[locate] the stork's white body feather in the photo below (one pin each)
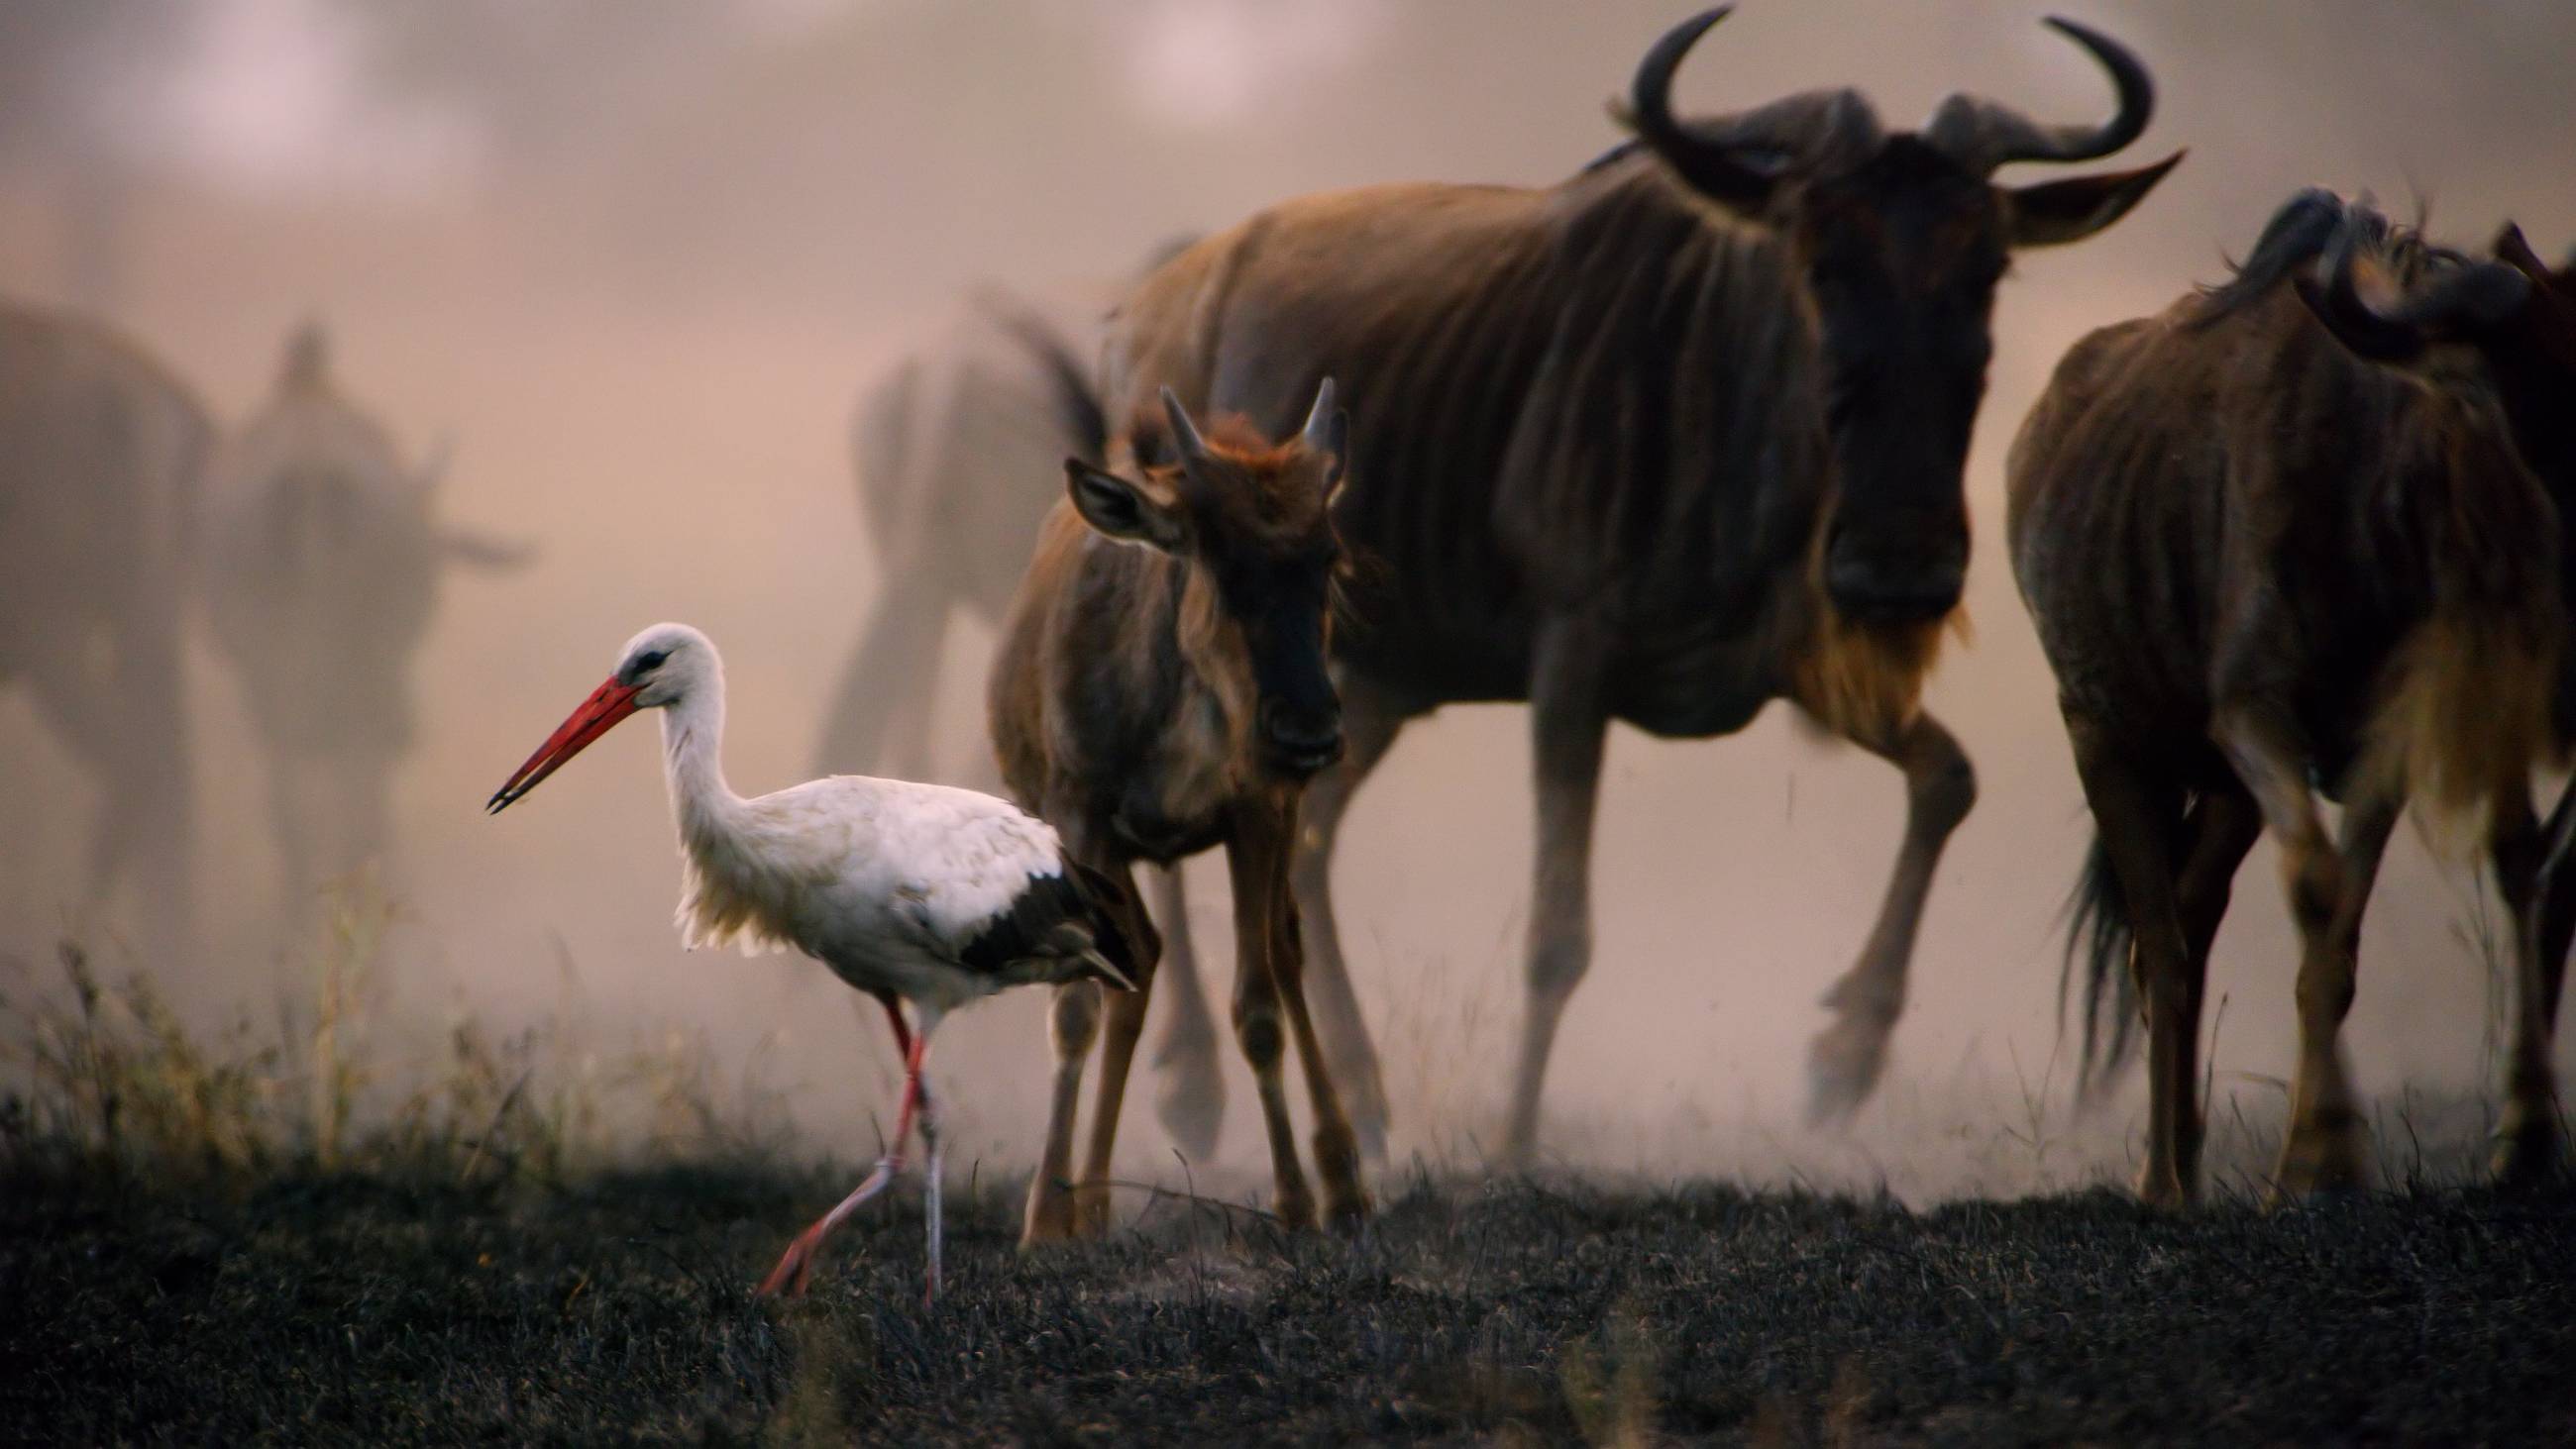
(887, 882)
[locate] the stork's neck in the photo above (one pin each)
(692, 737)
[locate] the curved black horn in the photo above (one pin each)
(1982, 135)
(1712, 168)
(1185, 434)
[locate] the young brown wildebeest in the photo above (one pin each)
(1161, 689)
(2292, 531)
(1677, 437)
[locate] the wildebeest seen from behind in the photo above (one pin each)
(958, 448)
(2292, 531)
(1671, 439)
(100, 455)
(1162, 689)
(324, 556)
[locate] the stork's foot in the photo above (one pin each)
(1189, 1094)
(1844, 1064)
(2323, 1155)
(795, 1270)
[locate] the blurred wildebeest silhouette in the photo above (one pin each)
(1161, 689)
(101, 452)
(324, 554)
(2306, 532)
(959, 449)
(1664, 442)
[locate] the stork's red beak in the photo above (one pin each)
(598, 714)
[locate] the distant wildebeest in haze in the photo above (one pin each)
(1671, 439)
(101, 451)
(324, 553)
(959, 449)
(1162, 688)
(2303, 532)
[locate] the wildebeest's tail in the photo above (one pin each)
(2099, 934)
(1074, 397)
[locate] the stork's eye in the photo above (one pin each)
(649, 661)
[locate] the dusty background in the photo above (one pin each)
(639, 257)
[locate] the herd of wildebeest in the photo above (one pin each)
(1680, 435)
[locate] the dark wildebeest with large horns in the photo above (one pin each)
(100, 455)
(2305, 531)
(1162, 689)
(324, 553)
(1671, 439)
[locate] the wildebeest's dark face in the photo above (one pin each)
(1901, 258)
(1899, 240)
(1253, 522)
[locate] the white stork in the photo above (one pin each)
(909, 892)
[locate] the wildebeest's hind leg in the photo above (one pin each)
(2328, 885)
(1844, 1063)
(2526, 1149)
(1568, 726)
(880, 714)
(1189, 1091)
(2137, 815)
(1369, 727)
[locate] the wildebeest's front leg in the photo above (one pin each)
(1125, 1012)
(1568, 725)
(1370, 723)
(2135, 814)
(1189, 1091)
(1844, 1064)
(2526, 1149)
(1256, 854)
(1056, 1197)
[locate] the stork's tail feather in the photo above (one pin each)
(1111, 953)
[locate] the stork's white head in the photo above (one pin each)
(665, 665)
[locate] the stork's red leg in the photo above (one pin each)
(796, 1266)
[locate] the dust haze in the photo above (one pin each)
(638, 259)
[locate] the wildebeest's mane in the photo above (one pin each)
(2302, 230)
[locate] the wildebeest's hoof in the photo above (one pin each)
(2160, 1186)
(2528, 1156)
(1843, 1067)
(2320, 1157)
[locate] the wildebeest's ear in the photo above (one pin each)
(1119, 509)
(483, 553)
(2054, 212)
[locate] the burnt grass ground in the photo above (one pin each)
(398, 1306)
